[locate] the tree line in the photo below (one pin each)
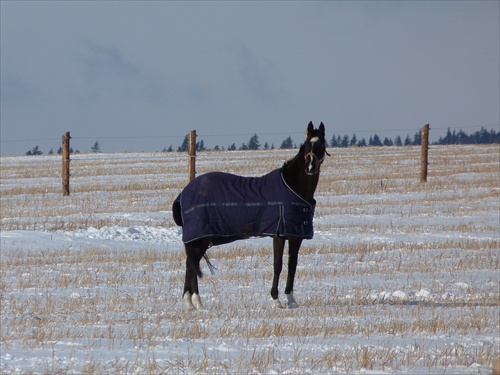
(482, 136)
(36, 150)
(478, 137)
(253, 144)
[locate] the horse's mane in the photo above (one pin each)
(292, 161)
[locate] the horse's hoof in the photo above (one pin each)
(192, 302)
(195, 299)
(187, 301)
(291, 304)
(277, 304)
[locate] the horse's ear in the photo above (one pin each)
(310, 127)
(322, 129)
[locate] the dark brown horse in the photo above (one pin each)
(217, 208)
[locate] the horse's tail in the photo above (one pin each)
(176, 211)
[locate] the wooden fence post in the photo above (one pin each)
(192, 155)
(424, 157)
(65, 163)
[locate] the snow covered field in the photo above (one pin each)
(401, 277)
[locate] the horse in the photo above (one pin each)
(217, 208)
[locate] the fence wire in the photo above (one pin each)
(201, 136)
(210, 135)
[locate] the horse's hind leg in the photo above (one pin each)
(190, 302)
(194, 253)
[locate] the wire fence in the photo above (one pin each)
(211, 135)
(437, 131)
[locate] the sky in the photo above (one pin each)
(138, 76)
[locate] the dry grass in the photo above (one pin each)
(380, 231)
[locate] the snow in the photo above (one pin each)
(386, 286)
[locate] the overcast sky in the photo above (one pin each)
(138, 76)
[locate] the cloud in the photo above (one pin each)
(106, 73)
(100, 61)
(259, 77)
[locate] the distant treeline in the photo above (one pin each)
(479, 137)
(482, 136)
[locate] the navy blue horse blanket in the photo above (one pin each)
(230, 207)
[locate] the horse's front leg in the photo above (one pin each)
(278, 246)
(293, 256)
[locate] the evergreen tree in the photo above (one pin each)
(407, 140)
(34, 151)
(387, 141)
(95, 147)
(345, 141)
(447, 139)
(462, 137)
(362, 143)
(354, 140)
(232, 147)
(484, 135)
(200, 146)
(494, 136)
(287, 143)
(339, 141)
(266, 146)
(375, 141)
(334, 142)
(184, 147)
(417, 139)
(397, 141)
(254, 143)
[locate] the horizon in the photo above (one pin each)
(433, 139)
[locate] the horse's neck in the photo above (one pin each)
(295, 176)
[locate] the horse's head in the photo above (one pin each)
(314, 148)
